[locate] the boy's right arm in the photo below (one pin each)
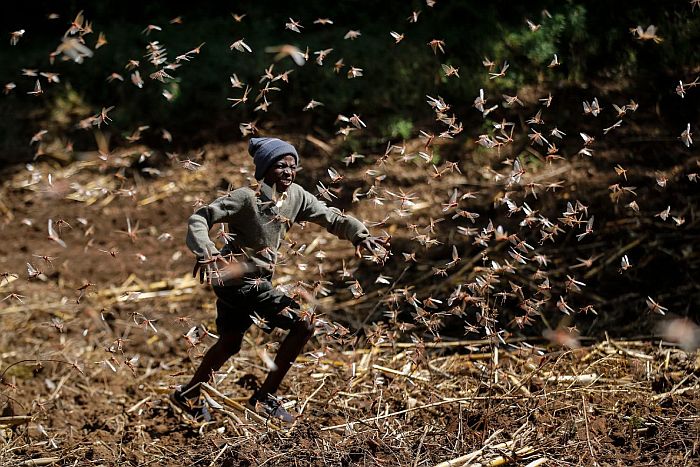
(204, 218)
(209, 263)
(198, 227)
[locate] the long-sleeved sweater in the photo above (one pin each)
(257, 223)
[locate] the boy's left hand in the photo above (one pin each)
(371, 244)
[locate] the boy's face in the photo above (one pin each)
(282, 173)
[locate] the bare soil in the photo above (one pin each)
(92, 368)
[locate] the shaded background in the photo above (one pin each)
(599, 55)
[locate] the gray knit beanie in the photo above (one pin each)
(265, 151)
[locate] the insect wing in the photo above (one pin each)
(54, 236)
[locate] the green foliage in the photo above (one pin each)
(437, 158)
(399, 127)
(562, 33)
(67, 107)
(591, 39)
(636, 422)
(351, 145)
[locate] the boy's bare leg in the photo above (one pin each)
(291, 347)
(227, 346)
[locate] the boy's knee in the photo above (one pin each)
(231, 342)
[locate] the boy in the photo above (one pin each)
(258, 221)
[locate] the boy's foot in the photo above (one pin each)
(271, 406)
(193, 407)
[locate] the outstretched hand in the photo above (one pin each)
(219, 270)
(372, 245)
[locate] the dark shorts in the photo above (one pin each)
(237, 307)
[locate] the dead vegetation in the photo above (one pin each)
(113, 321)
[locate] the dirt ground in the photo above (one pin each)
(95, 335)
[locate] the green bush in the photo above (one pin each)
(399, 127)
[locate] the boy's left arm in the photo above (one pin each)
(339, 224)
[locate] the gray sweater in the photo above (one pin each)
(257, 223)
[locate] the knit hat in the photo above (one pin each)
(265, 151)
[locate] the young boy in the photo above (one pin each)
(257, 222)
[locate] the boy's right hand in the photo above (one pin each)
(205, 267)
(219, 271)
